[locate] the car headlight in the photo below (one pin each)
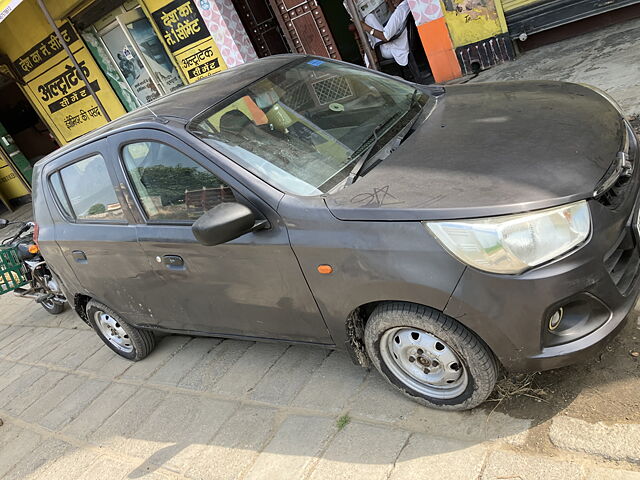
(511, 244)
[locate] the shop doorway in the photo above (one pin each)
(24, 137)
(261, 26)
(138, 54)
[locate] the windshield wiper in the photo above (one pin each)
(366, 154)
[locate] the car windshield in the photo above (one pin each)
(303, 127)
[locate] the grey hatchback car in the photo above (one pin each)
(436, 233)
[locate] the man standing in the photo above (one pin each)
(398, 49)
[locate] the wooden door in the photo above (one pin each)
(262, 27)
(305, 26)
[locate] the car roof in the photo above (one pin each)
(188, 101)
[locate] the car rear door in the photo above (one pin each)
(96, 232)
(250, 286)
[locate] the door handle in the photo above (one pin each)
(79, 256)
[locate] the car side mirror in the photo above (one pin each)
(225, 222)
(3, 222)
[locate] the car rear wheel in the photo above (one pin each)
(126, 340)
(429, 356)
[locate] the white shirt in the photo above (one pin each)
(398, 49)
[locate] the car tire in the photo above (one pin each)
(430, 357)
(126, 340)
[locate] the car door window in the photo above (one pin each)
(89, 191)
(170, 185)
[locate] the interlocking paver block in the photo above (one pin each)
(367, 451)
(504, 465)
(105, 363)
(20, 444)
(235, 447)
(600, 473)
(12, 374)
(176, 427)
(614, 442)
(87, 344)
(34, 392)
(162, 353)
(288, 375)
(37, 460)
(50, 400)
(75, 340)
(182, 362)
(70, 465)
(214, 365)
(293, 449)
(56, 339)
(247, 371)
(127, 419)
(107, 468)
(73, 404)
(105, 404)
(426, 453)
(380, 401)
(332, 384)
(474, 425)
(23, 382)
(8, 342)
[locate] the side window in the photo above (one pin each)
(169, 184)
(89, 191)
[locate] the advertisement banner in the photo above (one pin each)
(184, 32)
(59, 92)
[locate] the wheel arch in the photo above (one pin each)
(357, 320)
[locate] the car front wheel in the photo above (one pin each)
(429, 356)
(126, 340)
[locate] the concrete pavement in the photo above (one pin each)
(202, 408)
(608, 59)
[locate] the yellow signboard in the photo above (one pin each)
(200, 60)
(57, 89)
(186, 36)
(470, 21)
(7, 6)
(11, 183)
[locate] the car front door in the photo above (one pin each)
(250, 286)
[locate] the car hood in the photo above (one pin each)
(490, 149)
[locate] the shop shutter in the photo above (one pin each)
(509, 5)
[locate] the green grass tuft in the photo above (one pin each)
(343, 421)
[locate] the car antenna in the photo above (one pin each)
(147, 107)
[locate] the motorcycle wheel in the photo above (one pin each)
(53, 307)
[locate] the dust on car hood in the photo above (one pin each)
(489, 149)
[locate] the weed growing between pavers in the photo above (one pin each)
(343, 421)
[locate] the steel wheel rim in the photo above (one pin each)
(112, 330)
(424, 363)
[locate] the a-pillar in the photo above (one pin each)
(435, 39)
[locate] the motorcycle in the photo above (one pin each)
(41, 285)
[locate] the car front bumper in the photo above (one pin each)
(596, 286)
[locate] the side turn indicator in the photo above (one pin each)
(33, 249)
(325, 269)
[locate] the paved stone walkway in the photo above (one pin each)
(222, 409)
